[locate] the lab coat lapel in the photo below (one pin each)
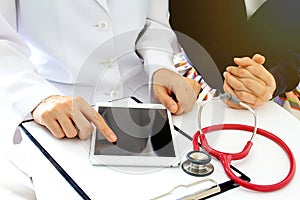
(103, 3)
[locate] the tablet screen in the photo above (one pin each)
(140, 132)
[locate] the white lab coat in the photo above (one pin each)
(82, 47)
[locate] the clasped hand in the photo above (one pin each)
(251, 82)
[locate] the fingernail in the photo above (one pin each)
(173, 108)
(111, 136)
(237, 59)
(270, 97)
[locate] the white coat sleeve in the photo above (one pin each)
(20, 84)
(158, 43)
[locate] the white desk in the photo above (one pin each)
(266, 163)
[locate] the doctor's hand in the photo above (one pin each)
(251, 82)
(177, 93)
(70, 117)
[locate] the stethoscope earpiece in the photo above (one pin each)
(198, 164)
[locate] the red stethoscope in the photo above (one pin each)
(198, 162)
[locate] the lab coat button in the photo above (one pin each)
(107, 62)
(102, 25)
(114, 94)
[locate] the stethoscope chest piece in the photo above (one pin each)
(198, 164)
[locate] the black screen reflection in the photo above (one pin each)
(140, 132)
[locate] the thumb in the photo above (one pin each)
(163, 96)
(259, 59)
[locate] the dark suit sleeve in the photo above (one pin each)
(286, 71)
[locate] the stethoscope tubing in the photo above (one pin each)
(226, 158)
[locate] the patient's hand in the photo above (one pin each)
(251, 82)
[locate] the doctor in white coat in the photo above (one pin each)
(59, 57)
(87, 51)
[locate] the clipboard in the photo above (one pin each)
(55, 164)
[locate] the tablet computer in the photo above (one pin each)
(145, 136)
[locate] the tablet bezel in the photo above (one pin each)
(123, 160)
